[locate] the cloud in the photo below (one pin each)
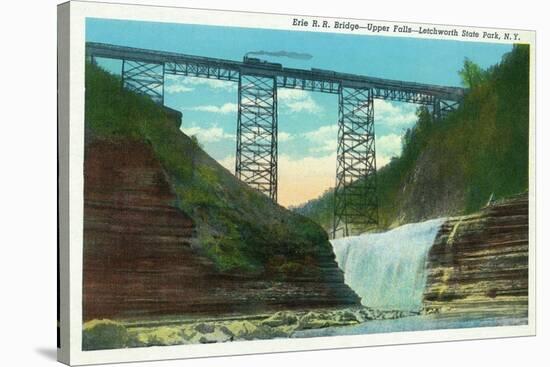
(223, 109)
(389, 145)
(307, 105)
(297, 100)
(289, 54)
(381, 160)
(394, 114)
(213, 83)
(181, 83)
(211, 134)
(287, 94)
(284, 136)
(228, 162)
(177, 88)
(324, 139)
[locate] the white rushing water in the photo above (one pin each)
(388, 270)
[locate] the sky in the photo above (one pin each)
(307, 120)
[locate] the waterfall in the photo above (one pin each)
(388, 270)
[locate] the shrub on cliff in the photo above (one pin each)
(103, 334)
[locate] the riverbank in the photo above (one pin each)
(109, 334)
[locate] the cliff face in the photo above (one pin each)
(479, 263)
(142, 256)
(430, 178)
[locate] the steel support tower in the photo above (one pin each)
(441, 108)
(256, 158)
(144, 78)
(355, 198)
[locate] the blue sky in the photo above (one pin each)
(307, 120)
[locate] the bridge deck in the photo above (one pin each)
(313, 80)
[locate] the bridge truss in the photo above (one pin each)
(355, 197)
(256, 158)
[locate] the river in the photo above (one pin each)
(412, 323)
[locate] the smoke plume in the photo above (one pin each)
(289, 54)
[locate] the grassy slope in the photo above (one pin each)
(479, 150)
(239, 228)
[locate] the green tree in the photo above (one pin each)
(196, 146)
(472, 74)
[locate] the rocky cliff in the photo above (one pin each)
(142, 256)
(478, 264)
(169, 231)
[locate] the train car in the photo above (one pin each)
(323, 71)
(262, 63)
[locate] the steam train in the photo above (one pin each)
(253, 61)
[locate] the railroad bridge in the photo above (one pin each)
(355, 197)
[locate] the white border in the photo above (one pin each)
(78, 12)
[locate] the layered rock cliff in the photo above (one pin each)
(169, 231)
(478, 264)
(142, 256)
